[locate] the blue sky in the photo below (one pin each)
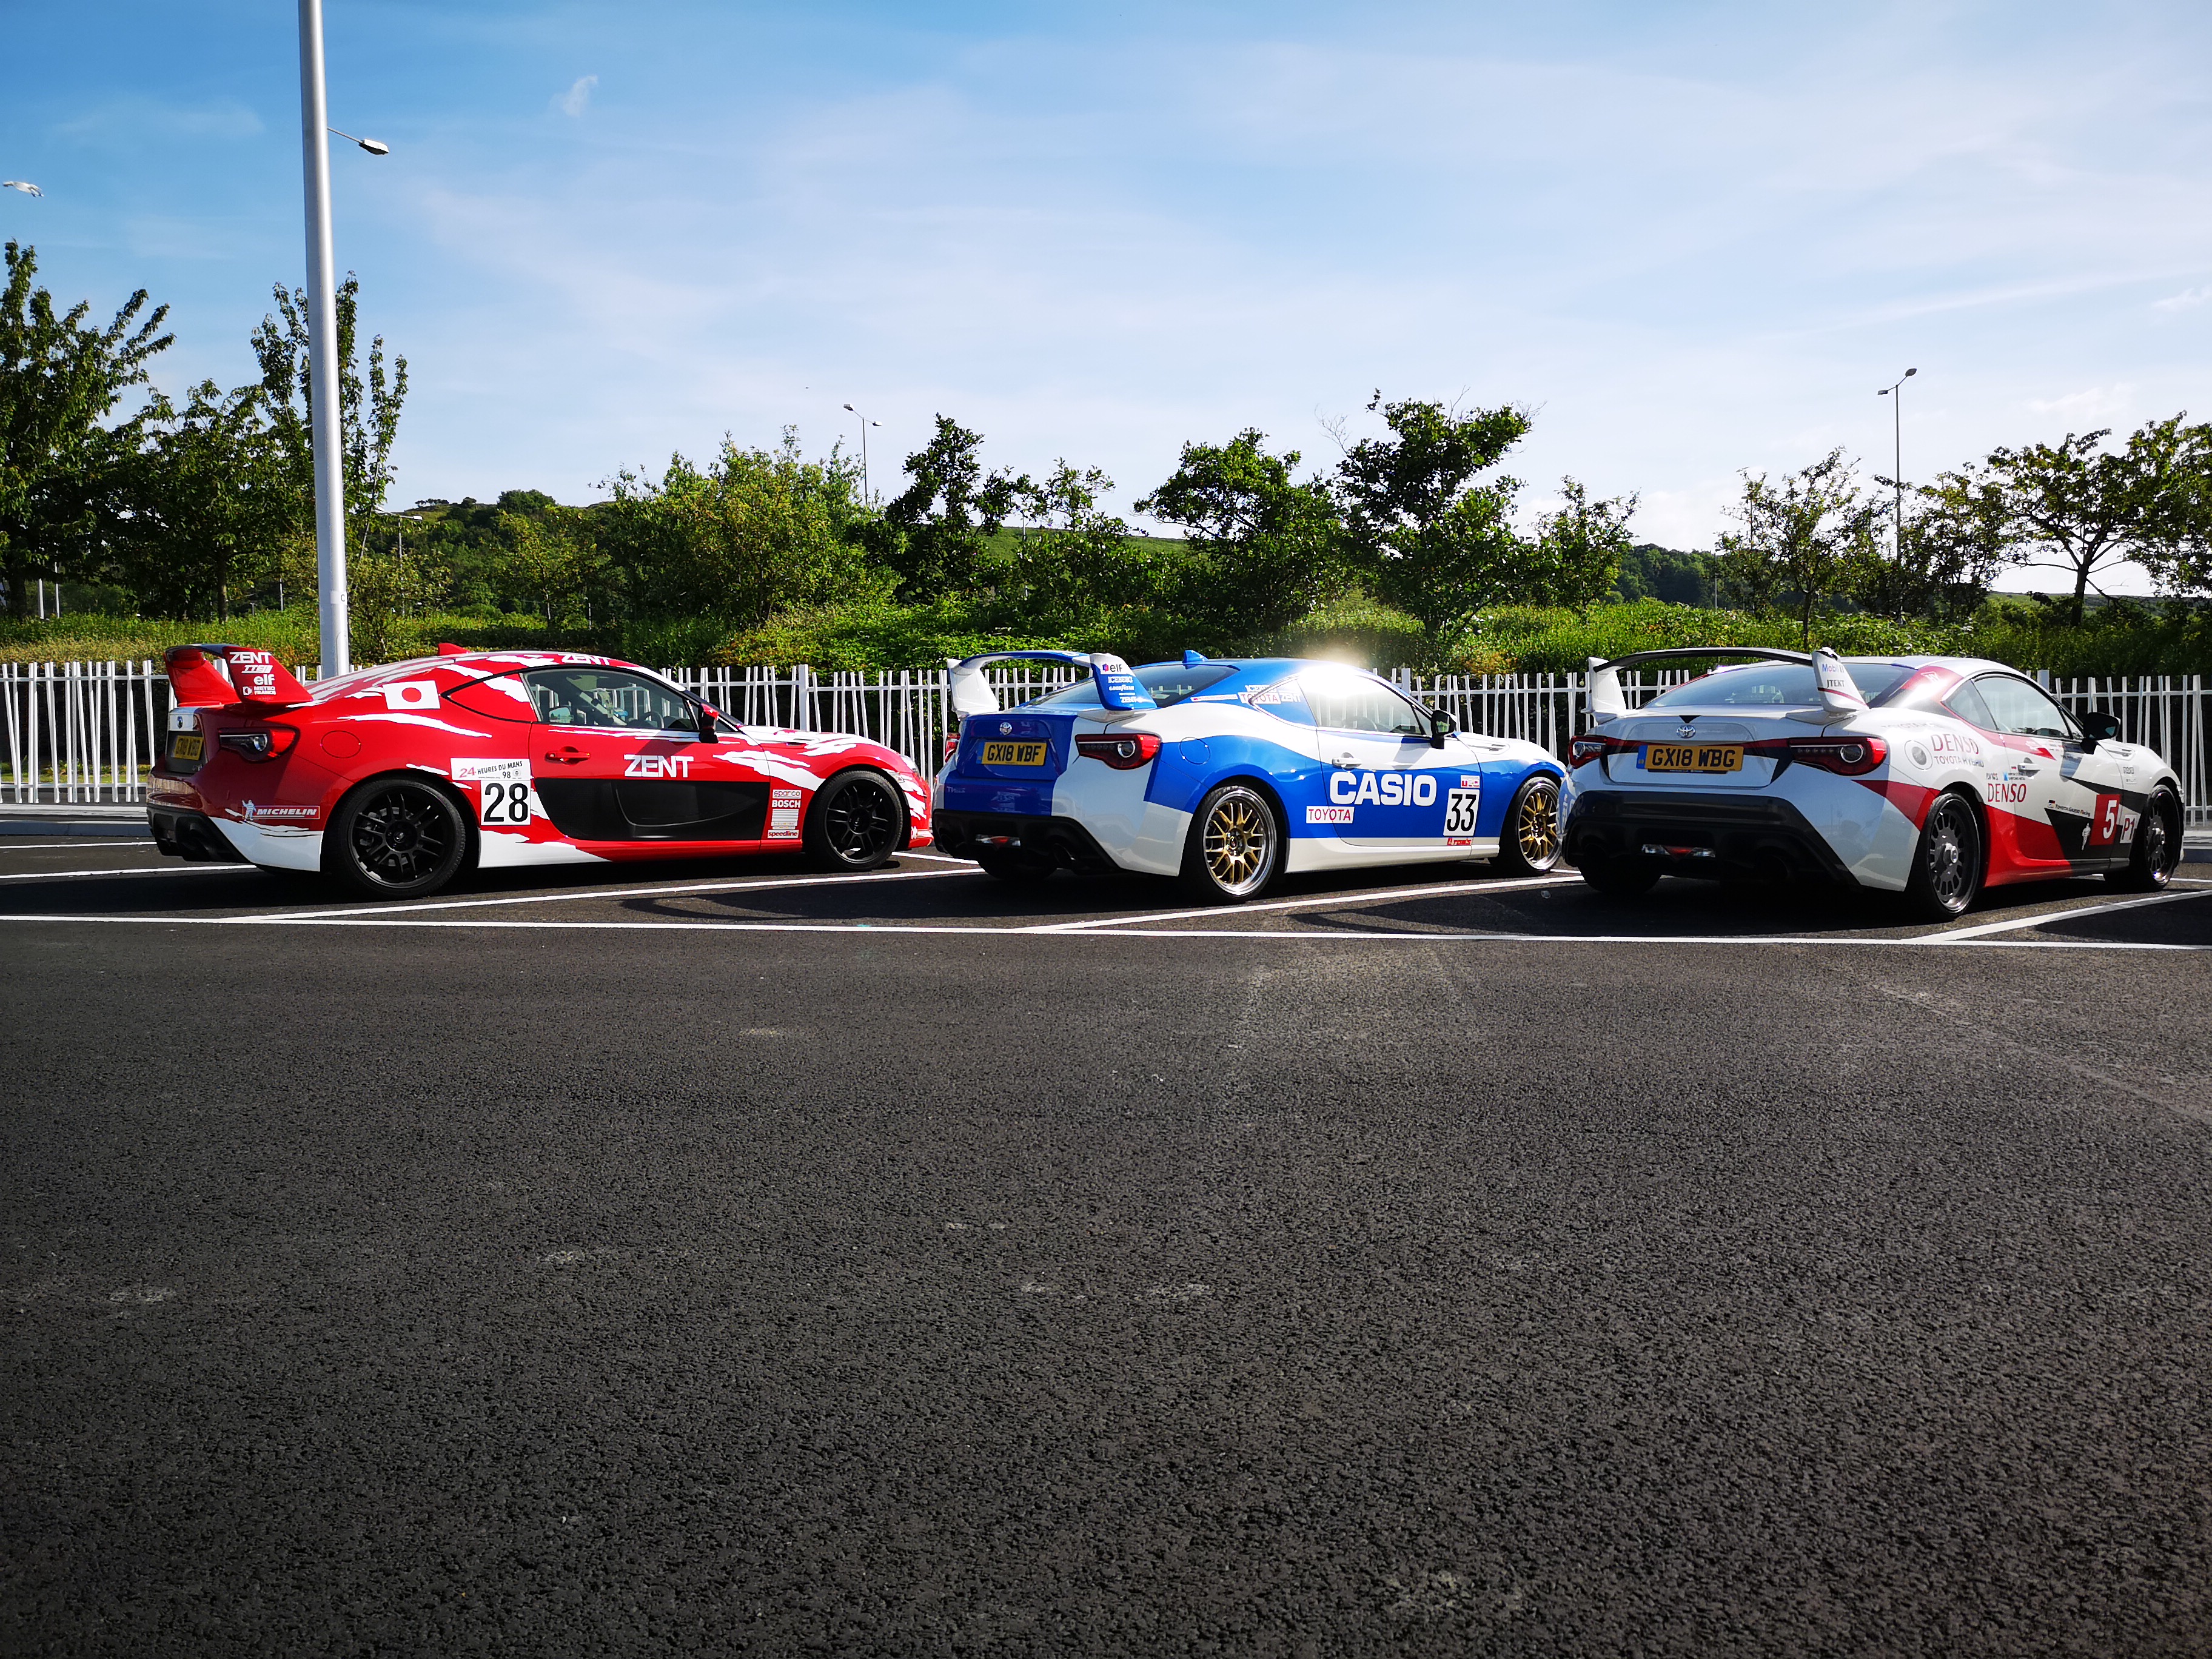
(1694, 238)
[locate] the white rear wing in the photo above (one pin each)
(1840, 697)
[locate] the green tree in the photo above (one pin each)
(1580, 548)
(211, 505)
(553, 564)
(368, 405)
(932, 536)
(1429, 537)
(1268, 549)
(758, 532)
(1804, 542)
(2080, 506)
(1072, 560)
(62, 467)
(1945, 555)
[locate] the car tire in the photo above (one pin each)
(1234, 849)
(397, 837)
(1622, 878)
(1948, 864)
(854, 821)
(2156, 851)
(1528, 841)
(1013, 864)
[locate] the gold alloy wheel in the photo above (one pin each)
(1239, 844)
(1536, 827)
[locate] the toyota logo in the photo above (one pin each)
(1005, 729)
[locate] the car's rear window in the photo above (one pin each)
(1774, 685)
(1169, 682)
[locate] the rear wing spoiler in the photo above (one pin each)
(1117, 687)
(1840, 697)
(245, 675)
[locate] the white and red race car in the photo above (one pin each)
(396, 779)
(1932, 776)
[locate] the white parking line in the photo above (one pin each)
(1989, 927)
(625, 892)
(151, 870)
(1491, 886)
(130, 842)
(880, 929)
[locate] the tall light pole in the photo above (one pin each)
(323, 339)
(866, 494)
(1897, 465)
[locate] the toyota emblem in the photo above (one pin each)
(1005, 729)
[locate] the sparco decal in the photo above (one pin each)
(783, 810)
(1383, 789)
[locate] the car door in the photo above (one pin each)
(2076, 790)
(1397, 790)
(616, 756)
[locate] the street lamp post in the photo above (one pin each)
(866, 493)
(322, 338)
(1897, 464)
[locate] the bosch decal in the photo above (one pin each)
(784, 807)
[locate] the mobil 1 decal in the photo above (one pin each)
(503, 786)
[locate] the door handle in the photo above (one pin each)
(1350, 762)
(570, 757)
(2026, 770)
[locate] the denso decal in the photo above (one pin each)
(784, 806)
(1383, 789)
(1955, 745)
(401, 696)
(1329, 815)
(658, 766)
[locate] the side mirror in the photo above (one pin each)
(706, 733)
(1441, 725)
(2099, 726)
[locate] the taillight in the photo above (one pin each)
(1852, 756)
(1591, 747)
(260, 743)
(1124, 754)
(952, 748)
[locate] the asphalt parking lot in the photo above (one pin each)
(730, 1259)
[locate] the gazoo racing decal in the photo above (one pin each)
(783, 811)
(1382, 789)
(505, 789)
(658, 766)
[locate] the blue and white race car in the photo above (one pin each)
(1229, 772)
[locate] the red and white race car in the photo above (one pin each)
(396, 779)
(1932, 776)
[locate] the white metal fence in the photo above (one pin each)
(86, 732)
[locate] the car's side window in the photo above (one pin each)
(1285, 700)
(2022, 709)
(607, 698)
(1966, 703)
(1348, 702)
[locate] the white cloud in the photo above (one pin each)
(2090, 402)
(2185, 301)
(577, 98)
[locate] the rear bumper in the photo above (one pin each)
(964, 835)
(1704, 834)
(183, 833)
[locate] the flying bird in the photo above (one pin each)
(24, 185)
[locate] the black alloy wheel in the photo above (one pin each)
(396, 838)
(1947, 866)
(2156, 851)
(1529, 844)
(854, 822)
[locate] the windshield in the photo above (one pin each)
(1169, 682)
(1773, 685)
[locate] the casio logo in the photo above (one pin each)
(1383, 789)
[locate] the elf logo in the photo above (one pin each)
(1383, 789)
(659, 765)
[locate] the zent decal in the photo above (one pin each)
(658, 766)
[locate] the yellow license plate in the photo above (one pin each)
(1693, 758)
(1013, 754)
(185, 746)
